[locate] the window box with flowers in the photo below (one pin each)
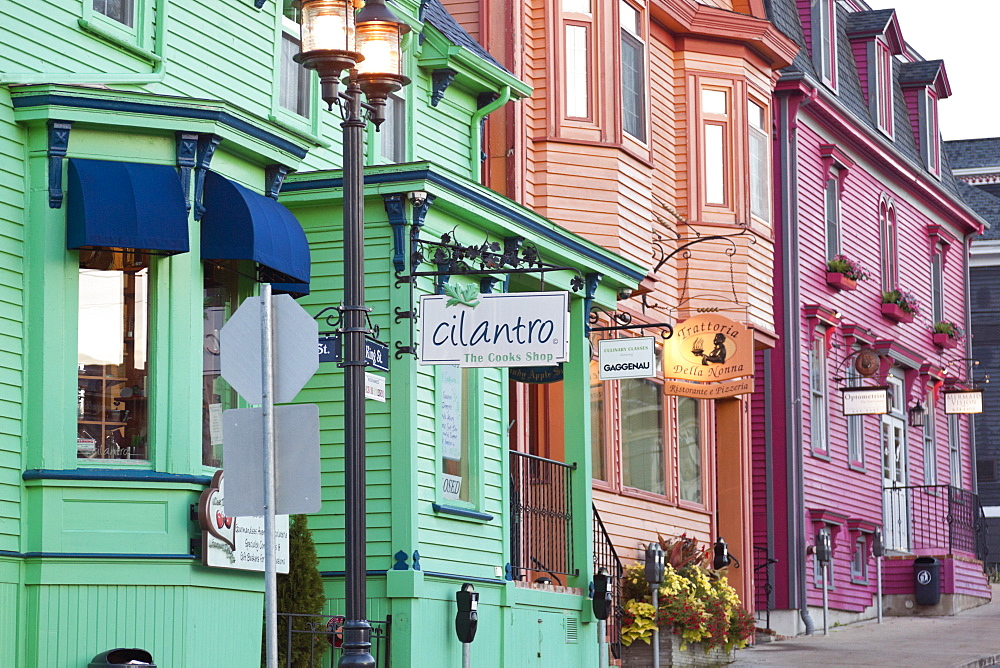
(844, 273)
(900, 305)
(946, 334)
(698, 613)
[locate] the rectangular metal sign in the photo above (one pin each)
(495, 330)
(963, 402)
(865, 400)
(376, 352)
(627, 358)
(374, 387)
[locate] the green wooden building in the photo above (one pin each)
(143, 146)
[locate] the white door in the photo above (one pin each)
(895, 498)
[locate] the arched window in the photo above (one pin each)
(887, 229)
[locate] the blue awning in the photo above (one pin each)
(239, 224)
(296, 290)
(125, 205)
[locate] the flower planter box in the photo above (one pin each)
(896, 312)
(640, 655)
(840, 281)
(944, 340)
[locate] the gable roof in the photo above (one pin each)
(433, 12)
(973, 153)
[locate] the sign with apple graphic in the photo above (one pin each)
(236, 542)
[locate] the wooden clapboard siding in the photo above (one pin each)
(12, 208)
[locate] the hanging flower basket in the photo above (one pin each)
(840, 281)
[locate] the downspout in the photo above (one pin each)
(791, 341)
(128, 78)
(966, 262)
(475, 146)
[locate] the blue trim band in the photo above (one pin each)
(340, 574)
(447, 576)
(461, 512)
(93, 555)
(119, 475)
(473, 196)
(121, 106)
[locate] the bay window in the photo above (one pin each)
(113, 355)
(760, 164)
(577, 49)
(633, 61)
(715, 129)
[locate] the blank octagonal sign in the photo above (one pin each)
(296, 355)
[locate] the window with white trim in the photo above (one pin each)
(855, 430)
(831, 215)
(577, 33)
(760, 163)
(643, 437)
(691, 477)
(937, 285)
(122, 11)
(392, 133)
(880, 94)
(955, 451)
(859, 560)
(819, 434)
(889, 259)
(715, 149)
(930, 444)
(294, 92)
(455, 386)
(824, 40)
(633, 59)
(930, 135)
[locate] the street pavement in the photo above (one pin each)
(967, 640)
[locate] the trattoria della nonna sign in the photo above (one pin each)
(709, 357)
(494, 330)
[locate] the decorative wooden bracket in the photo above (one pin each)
(187, 149)
(58, 145)
(207, 143)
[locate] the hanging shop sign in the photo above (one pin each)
(866, 400)
(494, 330)
(536, 375)
(236, 542)
(704, 353)
(957, 402)
(627, 358)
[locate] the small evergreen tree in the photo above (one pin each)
(299, 592)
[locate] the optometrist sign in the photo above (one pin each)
(866, 400)
(494, 330)
(704, 353)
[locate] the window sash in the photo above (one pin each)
(598, 415)
(633, 86)
(760, 173)
(855, 430)
(831, 207)
(577, 91)
(819, 414)
(937, 287)
(930, 449)
(954, 451)
(392, 133)
(294, 92)
(122, 11)
(454, 385)
(690, 451)
(643, 445)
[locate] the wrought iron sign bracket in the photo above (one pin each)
(336, 317)
(624, 322)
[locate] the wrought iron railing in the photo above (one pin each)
(605, 556)
(762, 587)
(919, 517)
(541, 510)
(313, 641)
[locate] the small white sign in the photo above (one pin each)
(451, 486)
(495, 330)
(865, 400)
(215, 423)
(627, 358)
(374, 387)
(962, 402)
(237, 542)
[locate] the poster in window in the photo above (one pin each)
(450, 387)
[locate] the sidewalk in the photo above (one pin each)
(968, 640)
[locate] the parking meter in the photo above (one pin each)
(878, 546)
(602, 594)
(722, 558)
(824, 548)
(654, 564)
(467, 617)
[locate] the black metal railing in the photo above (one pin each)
(605, 556)
(938, 517)
(541, 510)
(762, 587)
(313, 641)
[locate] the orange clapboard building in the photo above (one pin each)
(649, 132)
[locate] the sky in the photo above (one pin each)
(964, 33)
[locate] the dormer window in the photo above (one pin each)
(930, 144)
(824, 40)
(881, 93)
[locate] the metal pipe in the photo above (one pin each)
(656, 629)
(602, 643)
(878, 575)
(475, 146)
(267, 413)
(826, 602)
(357, 630)
(467, 655)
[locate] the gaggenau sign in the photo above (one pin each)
(495, 330)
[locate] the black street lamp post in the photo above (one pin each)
(334, 39)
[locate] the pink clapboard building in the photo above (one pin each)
(871, 291)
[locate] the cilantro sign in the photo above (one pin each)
(494, 330)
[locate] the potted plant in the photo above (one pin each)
(900, 305)
(698, 612)
(946, 334)
(844, 273)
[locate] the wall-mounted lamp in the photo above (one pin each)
(918, 415)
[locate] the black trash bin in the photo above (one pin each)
(927, 580)
(123, 658)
